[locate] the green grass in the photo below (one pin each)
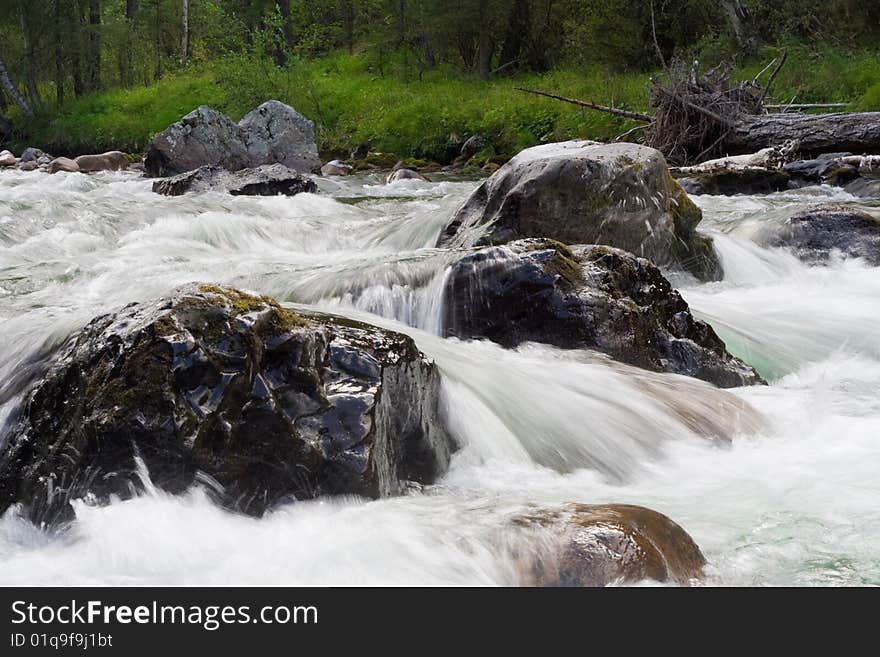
(418, 118)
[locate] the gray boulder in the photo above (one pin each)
(816, 233)
(265, 180)
(582, 192)
(864, 187)
(594, 297)
(403, 174)
(336, 168)
(202, 137)
(31, 154)
(472, 146)
(215, 385)
(277, 133)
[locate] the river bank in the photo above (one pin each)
(425, 117)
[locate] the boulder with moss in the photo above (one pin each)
(593, 297)
(582, 192)
(600, 545)
(216, 385)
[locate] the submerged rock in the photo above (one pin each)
(582, 192)
(403, 174)
(272, 133)
(266, 180)
(735, 180)
(336, 168)
(594, 297)
(816, 233)
(266, 404)
(598, 545)
(109, 161)
(864, 187)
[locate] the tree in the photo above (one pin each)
(12, 91)
(184, 31)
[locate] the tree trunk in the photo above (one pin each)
(857, 132)
(126, 74)
(157, 43)
(517, 32)
(184, 31)
(286, 32)
(740, 21)
(94, 42)
(30, 75)
(58, 48)
(12, 91)
(484, 46)
(75, 45)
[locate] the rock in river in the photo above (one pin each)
(265, 180)
(272, 133)
(267, 404)
(582, 192)
(598, 545)
(594, 297)
(816, 233)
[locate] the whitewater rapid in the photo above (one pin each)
(777, 484)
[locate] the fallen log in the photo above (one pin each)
(857, 132)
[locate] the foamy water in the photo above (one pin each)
(777, 484)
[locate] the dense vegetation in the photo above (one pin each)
(412, 77)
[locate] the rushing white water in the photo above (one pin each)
(791, 499)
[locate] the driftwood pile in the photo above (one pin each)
(697, 117)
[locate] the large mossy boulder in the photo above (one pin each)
(264, 180)
(594, 297)
(817, 233)
(600, 545)
(582, 192)
(273, 133)
(213, 384)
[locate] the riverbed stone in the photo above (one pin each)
(815, 234)
(265, 180)
(31, 154)
(584, 297)
(336, 168)
(403, 174)
(586, 545)
(62, 164)
(109, 161)
(7, 159)
(582, 192)
(211, 384)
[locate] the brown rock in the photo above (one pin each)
(62, 164)
(598, 545)
(109, 161)
(7, 159)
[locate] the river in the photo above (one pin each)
(794, 499)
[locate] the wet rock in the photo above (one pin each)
(864, 187)
(361, 151)
(472, 146)
(816, 233)
(31, 154)
(29, 166)
(582, 192)
(600, 545)
(109, 161)
(266, 180)
(7, 159)
(403, 174)
(736, 180)
(202, 137)
(215, 385)
(336, 168)
(62, 164)
(594, 297)
(277, 133)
